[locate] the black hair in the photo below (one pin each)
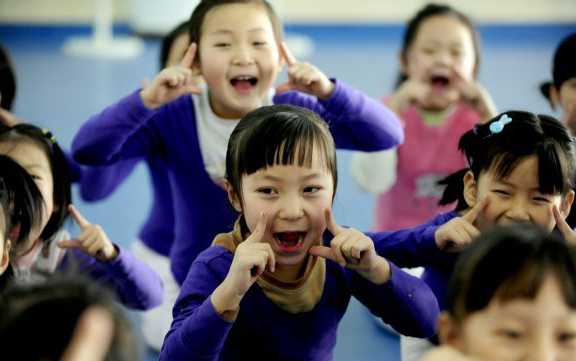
(199, 15)
(168, 41)
(58, 164)
(7, 79)
(38, 320)
(277, 134)
(21, 205)
(428, 11)
(526, 135)
(507, 263)
(563, 66)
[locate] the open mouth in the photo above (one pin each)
(290, 241)
(243, 83)
(440, 82)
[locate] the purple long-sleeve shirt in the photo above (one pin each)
(128, 130)
(416, 247)
(263, 331)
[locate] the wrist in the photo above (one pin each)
(146, 99)
(380, 272)
(330, 86)
(226, 302)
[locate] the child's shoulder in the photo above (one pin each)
(215, 257)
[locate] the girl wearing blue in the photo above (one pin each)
(277, 286)
(49, 248)
(521, 169)
(236, 45)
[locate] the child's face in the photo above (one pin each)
(521, 329)
(294, 199)
(239, 58)
(30, 156)
(442, 48)
(515, 198)
(566, 96)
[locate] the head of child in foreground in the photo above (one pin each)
(562, 90)
(440, 46)
(37, 151)
(513, 297)
(238, 52)
(37, 321)
(20, 212)
(521, 164)
(281, 160)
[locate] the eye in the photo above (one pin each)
(222, 45)
(566, 336)
(312, 189)
(267, 191)
(501, 192)
(259, 43)
(428, 50)
(541, 200)
(35, 177)
(456, 53)
(511, 334)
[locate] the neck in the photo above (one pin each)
(288, 273)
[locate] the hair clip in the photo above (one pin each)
(49, 135)
(498, 126)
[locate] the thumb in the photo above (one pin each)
(70, 243)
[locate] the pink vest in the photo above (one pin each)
(427, 155)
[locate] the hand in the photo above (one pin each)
(459, 232)
(304, 77)
(92, 239)
(172, 82)
(474, 94)
(353, 249)
(414, 91)
(569, 117)
(447, 353)
(92, 336)
(563, 227)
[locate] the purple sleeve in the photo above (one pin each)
(412, 247)
(357, 122)
(135, 284)
(198, 332)
(99, 182)
(404, 302)
(118, 132)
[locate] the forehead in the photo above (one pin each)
(525, 173)
(27, 153)
(234, 18)
(445, 29)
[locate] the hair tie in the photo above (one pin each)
(49, 135)
(498, 126)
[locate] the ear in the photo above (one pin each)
(566, 204)
(449, 331)
(232, 197)
(555, 96)
(5, 260)
(470, 188)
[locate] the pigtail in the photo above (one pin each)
(454, 190)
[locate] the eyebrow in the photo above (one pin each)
(227, 31)
(514, 186)
(276, 179)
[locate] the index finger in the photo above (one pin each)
(331, 224)
(561, 223)
(79, 218)
(188, 59)
(475, 211)
(258, 233)
(290, 59)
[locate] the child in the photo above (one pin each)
(236, 45)
(438, 100)
(21, 207)
(562, 90)
(37, 321)
(44, 251)
(7, 88)
(511, 308)
(522, 168)
(281, 178)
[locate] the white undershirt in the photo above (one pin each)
(213, 134)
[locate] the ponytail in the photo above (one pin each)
(454, 190)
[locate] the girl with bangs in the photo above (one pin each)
(511, 308)
(521, 169)
(277, 286)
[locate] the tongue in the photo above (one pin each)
(289, 237)
(242, 85)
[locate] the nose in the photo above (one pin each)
(517, 211)
(442, 58)
(242, 56)
(542, 350)
(291, 209)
